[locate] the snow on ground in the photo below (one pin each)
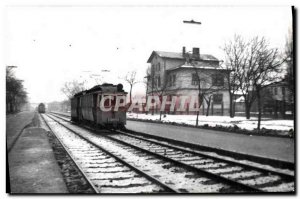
(241, 122)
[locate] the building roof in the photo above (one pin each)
(198, 67)
(279, 83)
(104, 88)
(176, 55)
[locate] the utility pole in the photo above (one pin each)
(200, 96)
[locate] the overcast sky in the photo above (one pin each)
(53, 45)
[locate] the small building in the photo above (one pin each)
(179, 74)
(276, 100)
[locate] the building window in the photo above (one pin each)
(173, 80)
(217, 80)
(195, 79)
(275, 91)
(218, 98)
(169, 80)
(283, 91)
(158, 81)
(158, 66)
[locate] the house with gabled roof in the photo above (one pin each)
(176, 73)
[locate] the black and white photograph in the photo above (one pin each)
(149, 99)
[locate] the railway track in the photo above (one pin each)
(105, 171)
(246, 158)
(232, 173)
(262, 179)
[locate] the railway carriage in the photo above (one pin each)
(41, 108)
(86, 106)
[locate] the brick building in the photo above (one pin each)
(178, 74)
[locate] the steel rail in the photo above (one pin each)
(151, 178)
(71, 156)
(232, 163)
(251, 167)
(262, 170)
(194, 169)
(258, 159)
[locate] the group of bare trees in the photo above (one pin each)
(16, 95)
(69, 89)
(72, 87)
(254, 65)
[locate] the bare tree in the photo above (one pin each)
(244, 60)
(267, 70)
(245, 75)
(146, 81)
(151, 81)
(206, 87)
(234, 63)
(160, 88)
(73, 87)
(130, 78)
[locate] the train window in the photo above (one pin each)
(122, 101)
(107, 101)
(113, 101)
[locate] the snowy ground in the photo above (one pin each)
(241, 122)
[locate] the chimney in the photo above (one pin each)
(183, 51)
(196, 53)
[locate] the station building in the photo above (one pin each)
(179, 74)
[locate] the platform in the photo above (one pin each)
(15, 123)
(32, 165)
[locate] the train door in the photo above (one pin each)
(78, 108)
(113, 104)
(94, 108)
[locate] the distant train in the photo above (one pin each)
(41, 108)
(97, 106)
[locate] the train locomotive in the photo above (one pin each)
(41, 108)
(97, 106)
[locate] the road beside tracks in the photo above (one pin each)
(264, 146)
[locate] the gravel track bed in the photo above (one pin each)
(265, 182)
(224, 169)
(81, 149)
(213, 154)
(176, 177)
(75, 181)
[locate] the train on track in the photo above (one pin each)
(97, 106)
(41, 108)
